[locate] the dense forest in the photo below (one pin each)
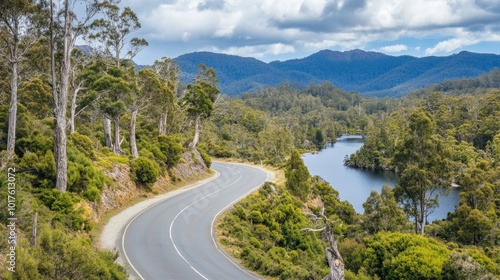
(434, 140)
(71, 117)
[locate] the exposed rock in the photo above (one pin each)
(190, 164)
(123, 189)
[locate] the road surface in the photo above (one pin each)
(174, 239)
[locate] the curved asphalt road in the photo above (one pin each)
(173, 239)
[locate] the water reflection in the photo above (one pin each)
(355, 185)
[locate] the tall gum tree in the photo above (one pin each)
(17, 29)
(72, 27)
(422, 162)
(148, 87)
(200, 98)
(112, 30)
(168, 72)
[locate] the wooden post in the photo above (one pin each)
(33, 233)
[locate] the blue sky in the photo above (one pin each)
(285, 29)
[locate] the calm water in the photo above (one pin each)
(355, 185)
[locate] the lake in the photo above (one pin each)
(355, 185)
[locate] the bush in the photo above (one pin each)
(404, 256)
(83, 144)
(82, 172)
(170, 147)
(64, 204)
(206, 158)
(144, 171)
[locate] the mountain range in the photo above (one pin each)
(366, 72)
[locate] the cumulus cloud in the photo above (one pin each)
(258, 51)
(394, 48)
(463, 39)
(246, 27)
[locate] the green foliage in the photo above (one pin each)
(422, 161)
(171, 149)
(266, 227)
(83, 175)
(65, 206)
(382, 212)
(404, 256)
(461, 265)
(60, 255)
(353, 254)
(83, 143)
(144, 171)
(206, 158)
(297, 176)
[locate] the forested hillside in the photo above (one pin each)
(433, 141)
(369, 73)
(83, 134)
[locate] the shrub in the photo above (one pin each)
(64, 206)
(82, 173)
(170, 147)
(144, 171)
(83, 144)
(206, 158)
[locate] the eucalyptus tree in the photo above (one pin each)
(71, 28)
(79, 82)
(144, 94)
(422, 162)
(116, 87)
(200, 98)
(168, 71)
(382, 212)
(17, 35)
(112, 31)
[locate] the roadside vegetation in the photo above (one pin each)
(433, 141)
(71, 119)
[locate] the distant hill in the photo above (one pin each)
(369, 73)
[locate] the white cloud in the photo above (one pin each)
(463, 39)
(394, 48)
(243, 26)
(258, 51)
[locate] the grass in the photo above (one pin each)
(279, 174)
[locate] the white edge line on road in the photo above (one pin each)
(180, 212)
(183, 209)
(216, 175)
(212, 233)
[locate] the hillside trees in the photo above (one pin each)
(116, 88)
(112, 31)
(148, 91)
(79, 82)
(17, 35)
(200, 98)
(168, 72)
(297, 176)
(422, 162)
(72, 28)
(382, 213)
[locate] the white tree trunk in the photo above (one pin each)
(335, 260)
(116, 147)
(162, 125)
(61, 100)
(107, 133)
(133, 144)
(196, 137)
(72, 114)
(11, 135)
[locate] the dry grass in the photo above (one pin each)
(279, 174)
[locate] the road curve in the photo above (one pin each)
(174, 239)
